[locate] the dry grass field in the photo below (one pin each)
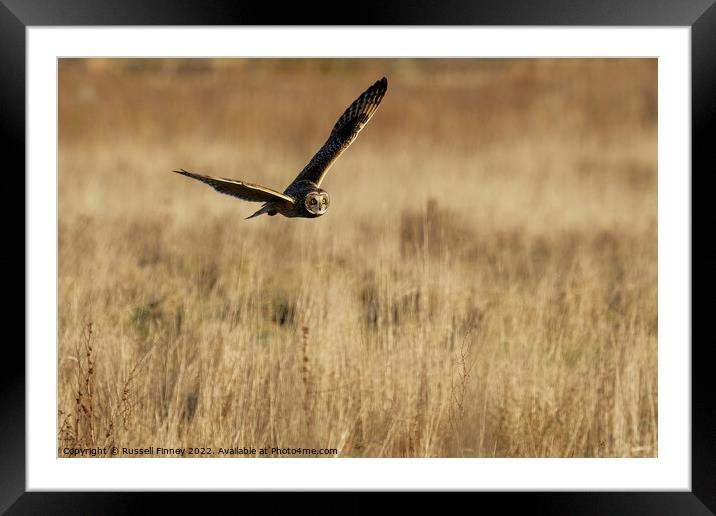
(484, 283)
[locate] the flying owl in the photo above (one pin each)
(305, 197)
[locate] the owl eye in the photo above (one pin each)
(324, 200)
(313, 201)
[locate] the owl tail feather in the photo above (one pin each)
(266, 208)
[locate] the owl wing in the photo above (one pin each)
(344, 132)
(240, 189)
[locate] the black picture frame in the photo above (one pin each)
(699, 15)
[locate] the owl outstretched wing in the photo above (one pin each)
(344, 132)
(240, 189)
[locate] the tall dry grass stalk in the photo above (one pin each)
(306, 375)
(484, 283)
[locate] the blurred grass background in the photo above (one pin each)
(483, 284)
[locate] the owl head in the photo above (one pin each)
(317, 202)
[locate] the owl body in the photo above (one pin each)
(310, 201)
(304, 197)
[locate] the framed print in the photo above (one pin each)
(466, 264)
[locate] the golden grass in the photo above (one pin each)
(484, 283)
